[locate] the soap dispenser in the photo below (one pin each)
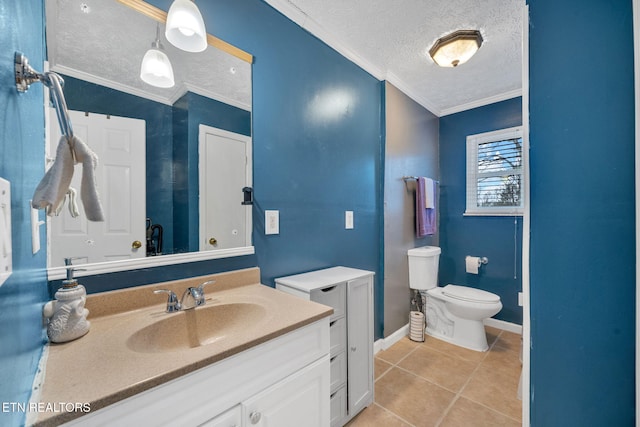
(66, 315)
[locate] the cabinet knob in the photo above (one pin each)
(353, 349)
(136, 244)
(255, 417)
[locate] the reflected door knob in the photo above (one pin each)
(136, 244)
(213, 241)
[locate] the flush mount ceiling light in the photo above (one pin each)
(185, 27)
(456, 48)
(156, 68)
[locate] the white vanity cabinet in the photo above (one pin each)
(350, 292)
(283, 382)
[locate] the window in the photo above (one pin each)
(494, 173)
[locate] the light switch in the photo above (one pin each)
(348, 220)
(6, 263)
(271, 222)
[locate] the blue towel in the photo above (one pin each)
(425, 218)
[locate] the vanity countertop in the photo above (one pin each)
(102, 367)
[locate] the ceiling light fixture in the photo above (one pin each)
(185, 26)
(156, 68)
(456, 48)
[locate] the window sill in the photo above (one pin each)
(494, 213)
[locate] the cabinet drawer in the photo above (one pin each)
(338, 405)
(337, 336)
(338, 374)
(333, 296)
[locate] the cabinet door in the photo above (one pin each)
(359, 344)
(301, 399)
(230, 418)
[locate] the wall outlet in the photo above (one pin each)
(271, 222)
(348, 220)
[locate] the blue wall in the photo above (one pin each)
(22, 163)
(489, 236)
(309, 164)
(582, 213)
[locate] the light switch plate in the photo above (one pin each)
(271, 222)
(348, 220)
(6, 259)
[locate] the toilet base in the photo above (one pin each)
(465, 333)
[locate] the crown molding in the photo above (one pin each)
(404, 88)
(482, 102)
(296, 15)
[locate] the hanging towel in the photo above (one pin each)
(429, 193)
(88, 185)
(425, 218)
(54, 185)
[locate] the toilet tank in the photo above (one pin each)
(423, 267)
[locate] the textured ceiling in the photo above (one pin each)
(104, 42)
(391, 39)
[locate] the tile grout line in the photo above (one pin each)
(469, 380)
(459, 393)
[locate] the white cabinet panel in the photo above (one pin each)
(360, 344)
(230, 418)
(350, 292)
(302, 399)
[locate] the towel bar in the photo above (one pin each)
(25, 75)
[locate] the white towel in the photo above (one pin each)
(88, 185)
(429, 194)
(53, 187)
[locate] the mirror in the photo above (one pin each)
(98, 47)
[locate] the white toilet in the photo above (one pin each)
(453, 313)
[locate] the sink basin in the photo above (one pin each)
(201, 326)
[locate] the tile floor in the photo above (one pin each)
(438, 384)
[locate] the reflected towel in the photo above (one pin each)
(88, 186)
(425, 218)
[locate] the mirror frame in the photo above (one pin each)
(57, 273)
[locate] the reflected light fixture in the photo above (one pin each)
(185, 27)
(456, 48)
(156, 68)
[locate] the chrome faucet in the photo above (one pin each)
(191, 298)
(194, 297)
(172, 303)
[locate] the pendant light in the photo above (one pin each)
(185, 27)
(456, 48)
(156, 68)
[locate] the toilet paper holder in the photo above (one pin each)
(483, 260)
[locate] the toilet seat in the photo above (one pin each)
(465, 293)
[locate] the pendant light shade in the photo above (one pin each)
(456, 48)
(185, 27)
(156, 68)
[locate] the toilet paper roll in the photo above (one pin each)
(416, 330)
(472, 264)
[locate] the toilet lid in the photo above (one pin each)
(469, 294)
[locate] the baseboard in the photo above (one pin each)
(385, 343)
(505, 326)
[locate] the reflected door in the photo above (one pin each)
(119, 143)
(224, 170)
